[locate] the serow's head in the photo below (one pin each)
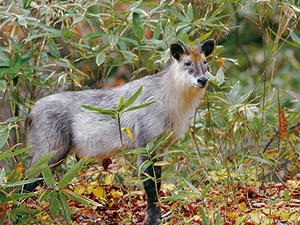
(192, 62)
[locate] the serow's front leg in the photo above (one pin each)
(153, 212)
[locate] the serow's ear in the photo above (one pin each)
(208, 47)
(176, 51)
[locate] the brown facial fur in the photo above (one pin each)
(195, 57)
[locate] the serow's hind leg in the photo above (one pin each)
(153, 212)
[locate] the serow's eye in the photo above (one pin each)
(187, 63)
(205, 62)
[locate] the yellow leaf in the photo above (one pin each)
(109, 178)
(90, 189)
(79, 189)
(122, 170)
(243, 206)
(232, 215)
(99, 192)
(170, 187)
(128, 132)
(161, 163)
(116, 194)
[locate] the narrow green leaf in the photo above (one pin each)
(34, 169)
(80, 198)
(178, 197)
(105, 112)
(48, 177)
(158, 143)
(233, 92)
(261, 160)
(185, 38)
(121, 104)
(113, 39)
(286, 195)
(16, 46)
(220, 77)
(266, 158)
(77, 20)
(195, 190)
(71, 174)
(53, 49)
(204, 218)
(190, 13)
(205, 190)
(3, 138)
(100, 58)
(256, 123)
(9, 153)
(93, 35)
(139, 106)
(218, 219)
(137, 26)
(53, 204)
(176, 13)
(65, 206)
(133, 97)
(144, 166)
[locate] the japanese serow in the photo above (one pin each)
(59, 123)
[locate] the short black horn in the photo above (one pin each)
(188, 51)
(199, 47)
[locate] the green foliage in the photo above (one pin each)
(235, 136)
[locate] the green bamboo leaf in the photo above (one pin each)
(204, 218)
(35, 168)
(144, 166)
(185, 38)
(9, 153)
(190, 13)
(53, 49)
(80, 198)
(53, 204)
(65, 206)
(133, 97)
(195, 190)
(205, 190)
(233, 92)
(93, 35)
(158, 143)
(218, 219)
(177, 197)
(286, 195)
(3, 138)
(121, 104)
(113, 39)
(266, 159)
(100, 58)
(176, 13)
(77, 20)
(71, 174)
(105, 112)
(256, 123)
(137, 26)
(220, 77)
(16, 46)
(139, 106)
(48, 177)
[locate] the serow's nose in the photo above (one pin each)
(202, 81)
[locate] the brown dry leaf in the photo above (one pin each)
(283, 124)
(3, 208)
(106, 163)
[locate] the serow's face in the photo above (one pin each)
(192, 62)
